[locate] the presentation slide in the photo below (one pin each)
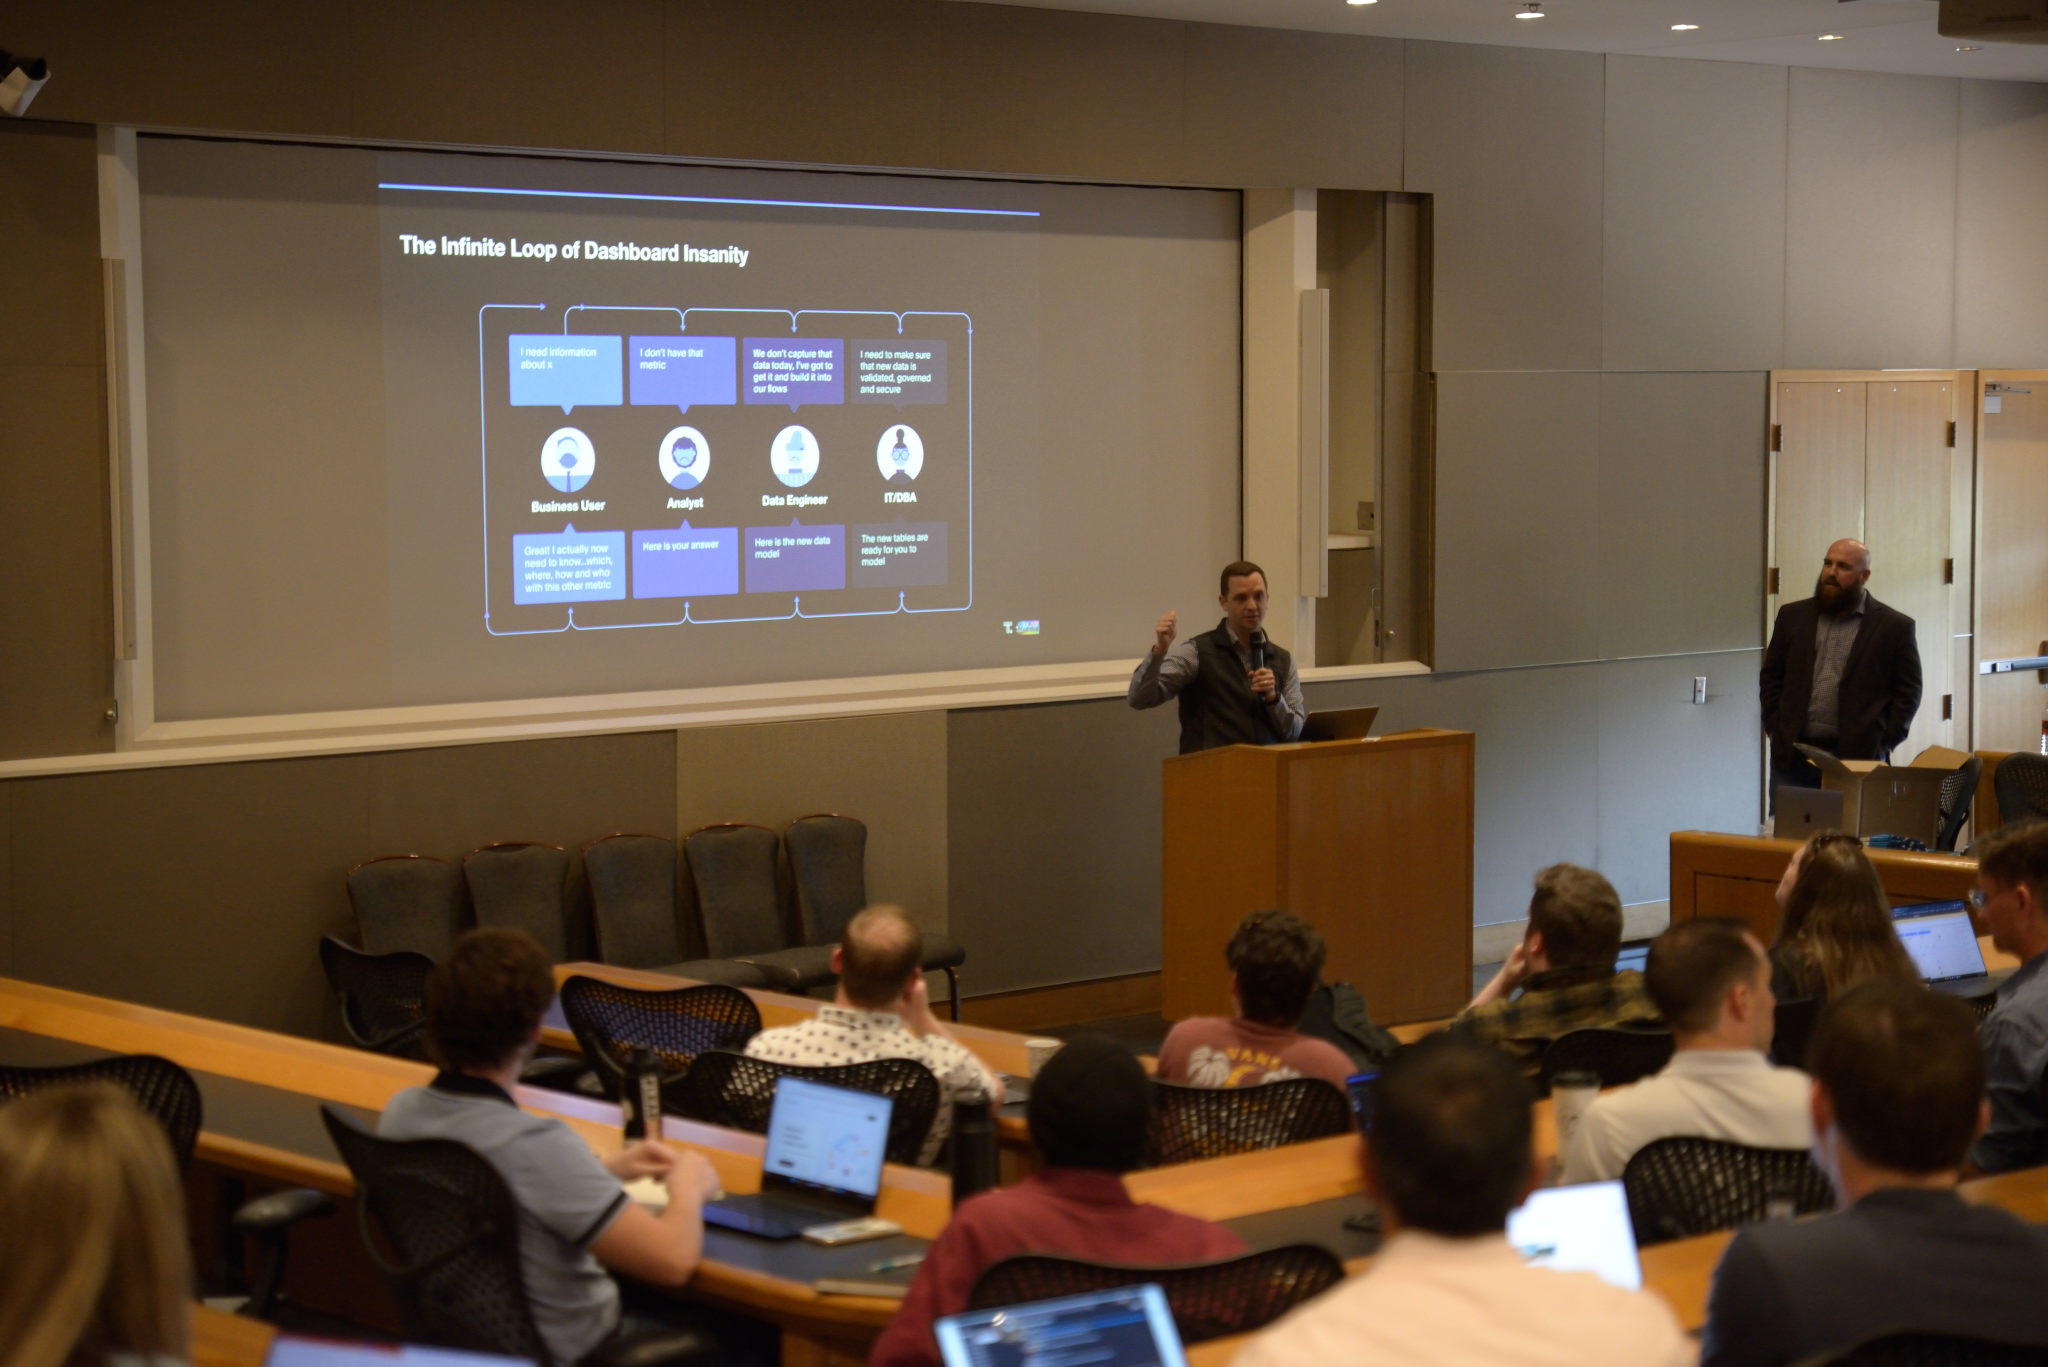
(482, 428)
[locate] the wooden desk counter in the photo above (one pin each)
(223, 1340)
(1737, 875)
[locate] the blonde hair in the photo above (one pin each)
(1838, 915)
(93, 1258)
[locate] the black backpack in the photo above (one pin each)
(1336, 1012)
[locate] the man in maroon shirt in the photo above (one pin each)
(1088, 1112)
(1275, 960)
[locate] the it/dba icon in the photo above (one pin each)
(793, 456)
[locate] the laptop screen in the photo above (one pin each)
(1129, 1326)
(827, 1137)
(1363, 1087)
(288, 1351)
(1579, 1229)
(1940, 939)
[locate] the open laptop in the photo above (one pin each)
(823, 1162)
(1349, 723)
(1579, 1229)
(287, 1350)
(1797, 813)
(1128, 1326)
(1943, 945)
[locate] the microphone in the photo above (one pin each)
(1259, 648)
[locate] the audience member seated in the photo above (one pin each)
(1088, 1112)
(94, 1267)
(1835, 929)
(881, 1010)
(1275, 960)
(2012, 903)
(1450, 1155)
(1561, 977)
(1711, 980)
(1897, 1097)
(483, 1021)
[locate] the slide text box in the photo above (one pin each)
(898, 371)
(898, 555)
(568, 567)
(795, 558)
(686, 562)
(683, 370)
(550, 370)
(796, 370)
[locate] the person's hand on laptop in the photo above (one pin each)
(691, 1179)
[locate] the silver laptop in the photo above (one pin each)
(1801, 812)
(289, 1351)
(1579, 1229)
(1129, 1326)
(1348, 723)
(1943, 945)
(823, 1161)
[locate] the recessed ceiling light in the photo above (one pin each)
(1532, 10)
(1831, 37)
(1969, 49)
(1361, 2)
(1683, 28)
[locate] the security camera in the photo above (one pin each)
(20, 79)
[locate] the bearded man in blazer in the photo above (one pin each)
(1842, 673)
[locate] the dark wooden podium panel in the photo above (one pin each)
(1737, 875)
(1368, 840)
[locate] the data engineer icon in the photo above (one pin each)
(900, 454)
(793, 456)
(685, 458)
(568, 459)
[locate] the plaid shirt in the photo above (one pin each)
(1556, 1002)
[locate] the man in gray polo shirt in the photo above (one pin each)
(483, 1017)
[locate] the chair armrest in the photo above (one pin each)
(654, 1350)
(282, 1209)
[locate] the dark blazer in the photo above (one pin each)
(1899, 1259)
(1880, 685)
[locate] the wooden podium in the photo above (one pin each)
(1368, 840)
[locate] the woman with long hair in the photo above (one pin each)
(1836, 927)
(94, 1268)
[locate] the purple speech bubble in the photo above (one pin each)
(898, 555)
(682, 370)
(794, 558)
(898, 370)
(551, 370)
(686, 562)
(796, 370)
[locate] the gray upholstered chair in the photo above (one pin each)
(522, 885)
(633, 899)
(410, 903)
(733, 870)
(828, 866)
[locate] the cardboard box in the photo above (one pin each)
(1885, 799)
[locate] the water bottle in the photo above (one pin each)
(2044, 729)
(976, 1165)
(640, 1102)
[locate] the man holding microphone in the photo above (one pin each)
(1235, 687)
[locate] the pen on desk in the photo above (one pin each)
(891, 1264)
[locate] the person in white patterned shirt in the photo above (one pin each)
(882, 1010)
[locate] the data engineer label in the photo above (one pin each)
(568, 567)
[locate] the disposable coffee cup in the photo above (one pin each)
(1037, 1051)
(1570, 1094)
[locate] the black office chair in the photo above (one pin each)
(1792, 1030)
(1615, 1054)
(1190, 1123)
(452, 1226)
(412, 902)
(1913, 1349)
(159, 1086)
(729, 1089)
(633, 905)
(733, 873)
(611, 1021)
(828, 866)
(1958, 792)
(2020, 783)
(523, 885)
(1680, 1187)
(382, 996)
(1208, 1300)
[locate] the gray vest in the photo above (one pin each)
(1218, 706)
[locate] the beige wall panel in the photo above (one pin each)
(518, 72)
(1275, 107)
(1509, 142)
(1517, 529)
(201, 889)
(1054, 841)
(2002, 226)
(56, 618)
(2012, 561)
(1682, 469)
(49, 245)
(1870, 221)
(1051, 92)
(792, 80)
(890, 771)
(1906, 524)
(215, 64)
(1819, 493)
(1694, 227)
